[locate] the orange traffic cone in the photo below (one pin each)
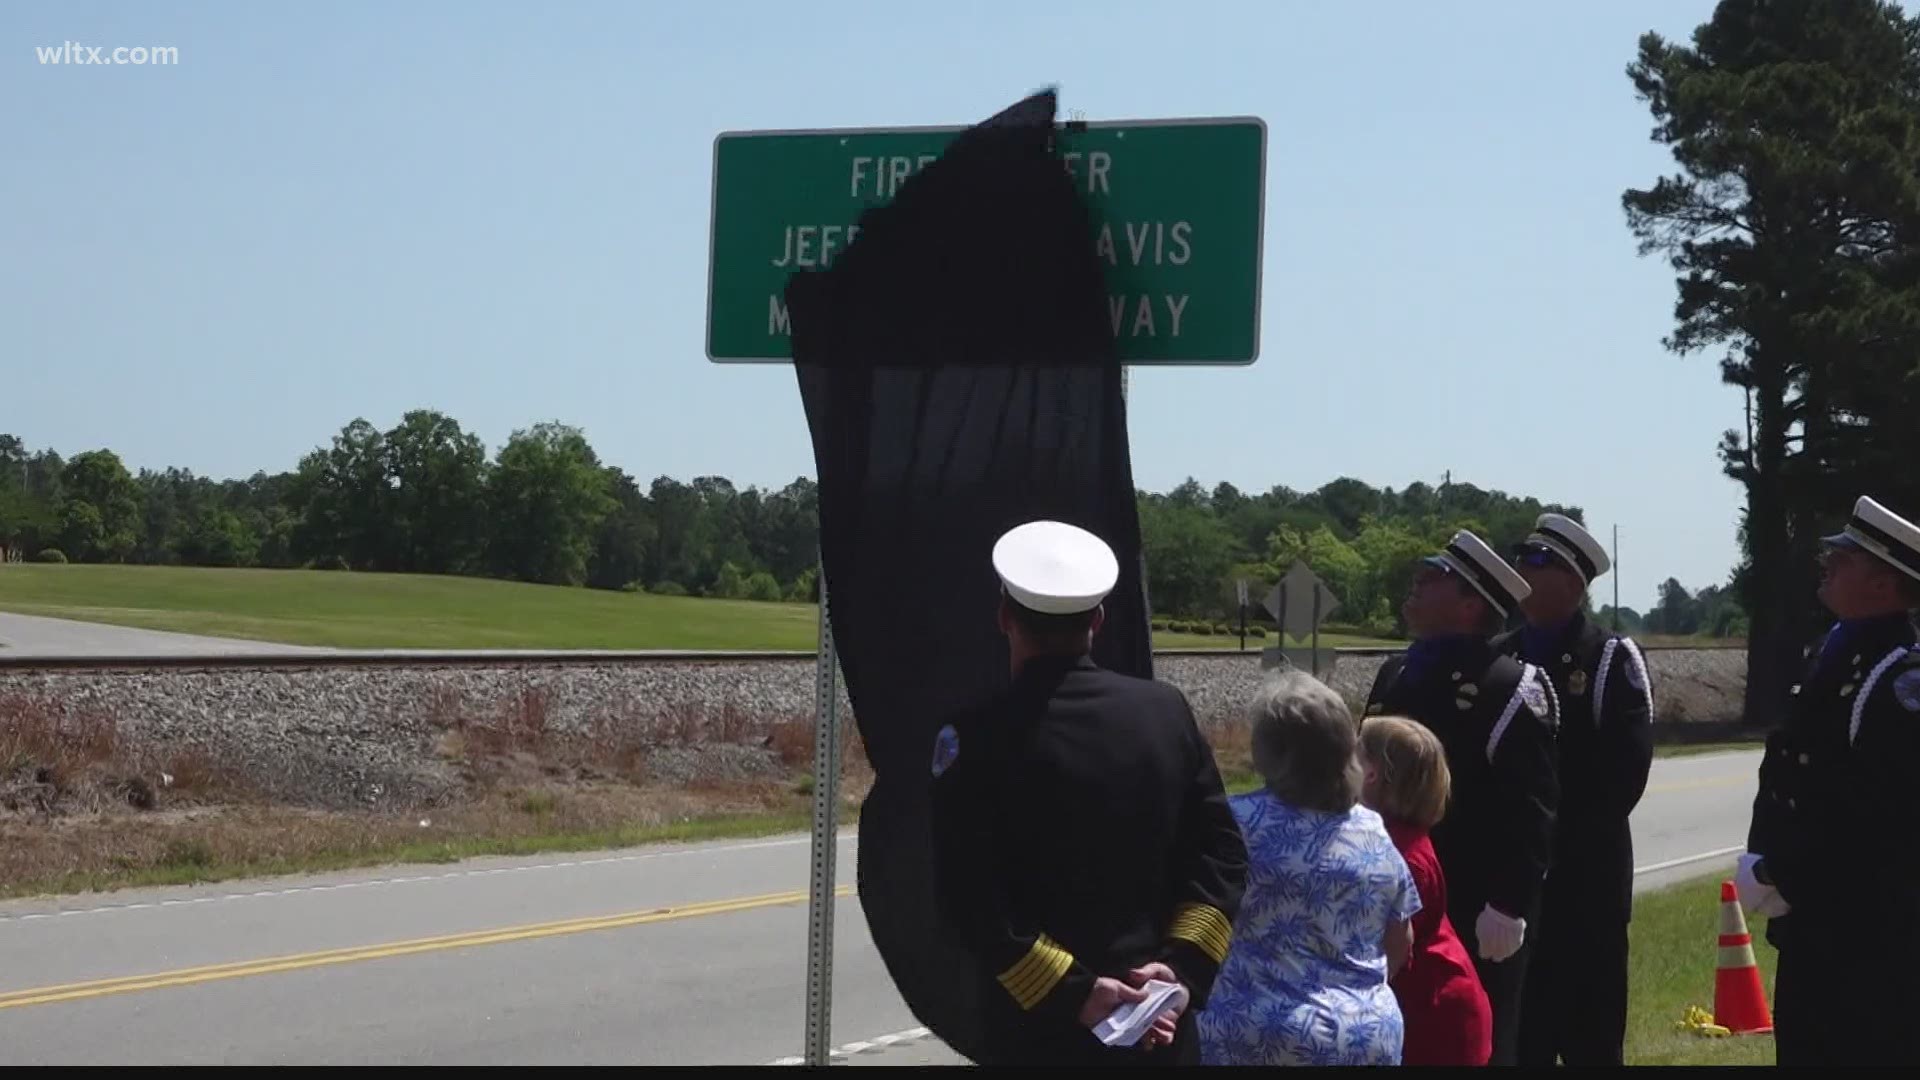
(1739, 999)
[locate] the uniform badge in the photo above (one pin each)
(1535, 697)
(1577, 683)
(1464, 697)
(1907, 689)
(946, 748)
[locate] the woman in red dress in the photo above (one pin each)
(1448, 1019)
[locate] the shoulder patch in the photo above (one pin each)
(946, 750)
(1535, 697)
(1907, 689)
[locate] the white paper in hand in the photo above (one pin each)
(1129, 1022)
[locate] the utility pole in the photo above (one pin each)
(1616, 579)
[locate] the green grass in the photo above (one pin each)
(418, 611)
(422, 611)
(193, 863)
(1675, 939)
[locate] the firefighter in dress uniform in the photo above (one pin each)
(1575, 1004)
(1495, 716)
(1826, 861)
(1083, 840)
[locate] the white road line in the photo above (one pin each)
(451, 874)
(865, 1046)
(881, 1042)
(1685, 859)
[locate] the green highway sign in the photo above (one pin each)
(1179, 213)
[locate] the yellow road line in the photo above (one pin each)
(48, 995)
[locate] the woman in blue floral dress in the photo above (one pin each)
(1324, 924)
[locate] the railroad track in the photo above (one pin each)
(450, 658)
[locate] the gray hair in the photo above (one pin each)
(1303, 743)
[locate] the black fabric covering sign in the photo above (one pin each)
(959, 375)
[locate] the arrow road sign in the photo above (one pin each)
(1301, 602)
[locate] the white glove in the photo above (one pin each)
(1757, 898)
(1500, 934)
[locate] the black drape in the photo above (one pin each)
(959, 375)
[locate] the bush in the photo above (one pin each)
(50, 555)
(1256, 631)
(668, 588)
(633, 587)
(761, 585)
(1223, 628)
(1177, 626)
(1159, 622)
(1202, 628)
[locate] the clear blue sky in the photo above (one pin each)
(501, 211)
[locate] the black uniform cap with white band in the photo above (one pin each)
(1564, 538)
(1879, 531)
(1469, 556)
(1055, 568)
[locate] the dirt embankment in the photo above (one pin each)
(107, 775)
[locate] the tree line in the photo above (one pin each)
(1364, 542)
(1792, 221)
(425, 497)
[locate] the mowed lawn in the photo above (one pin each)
(397, 611)
(420, 611)
(1675, 947)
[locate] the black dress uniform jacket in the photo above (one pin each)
(1496, 718)
(1081, 830)
(1834, 821)
(1576, 996)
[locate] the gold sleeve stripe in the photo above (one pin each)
(1206, 927)
(1037, 973)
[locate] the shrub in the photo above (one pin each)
(668, 588)
(1158, 622)
(50, 555)
(1203, 628)
(761, 586)
(1256, 631)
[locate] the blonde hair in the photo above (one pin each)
(1414, 781)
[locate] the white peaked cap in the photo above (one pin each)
(1055, 568)
(1488, 573)
(1566, 538)
(1879, 531)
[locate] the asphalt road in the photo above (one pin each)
(688, 955)
(33, 635)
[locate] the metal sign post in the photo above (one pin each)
(1299, 604)
(1184, 246)
(1241, 591)
(826, 806)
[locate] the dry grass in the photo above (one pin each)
(101, 852)
(1232, 743)
(82, 810)
(60, 759)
